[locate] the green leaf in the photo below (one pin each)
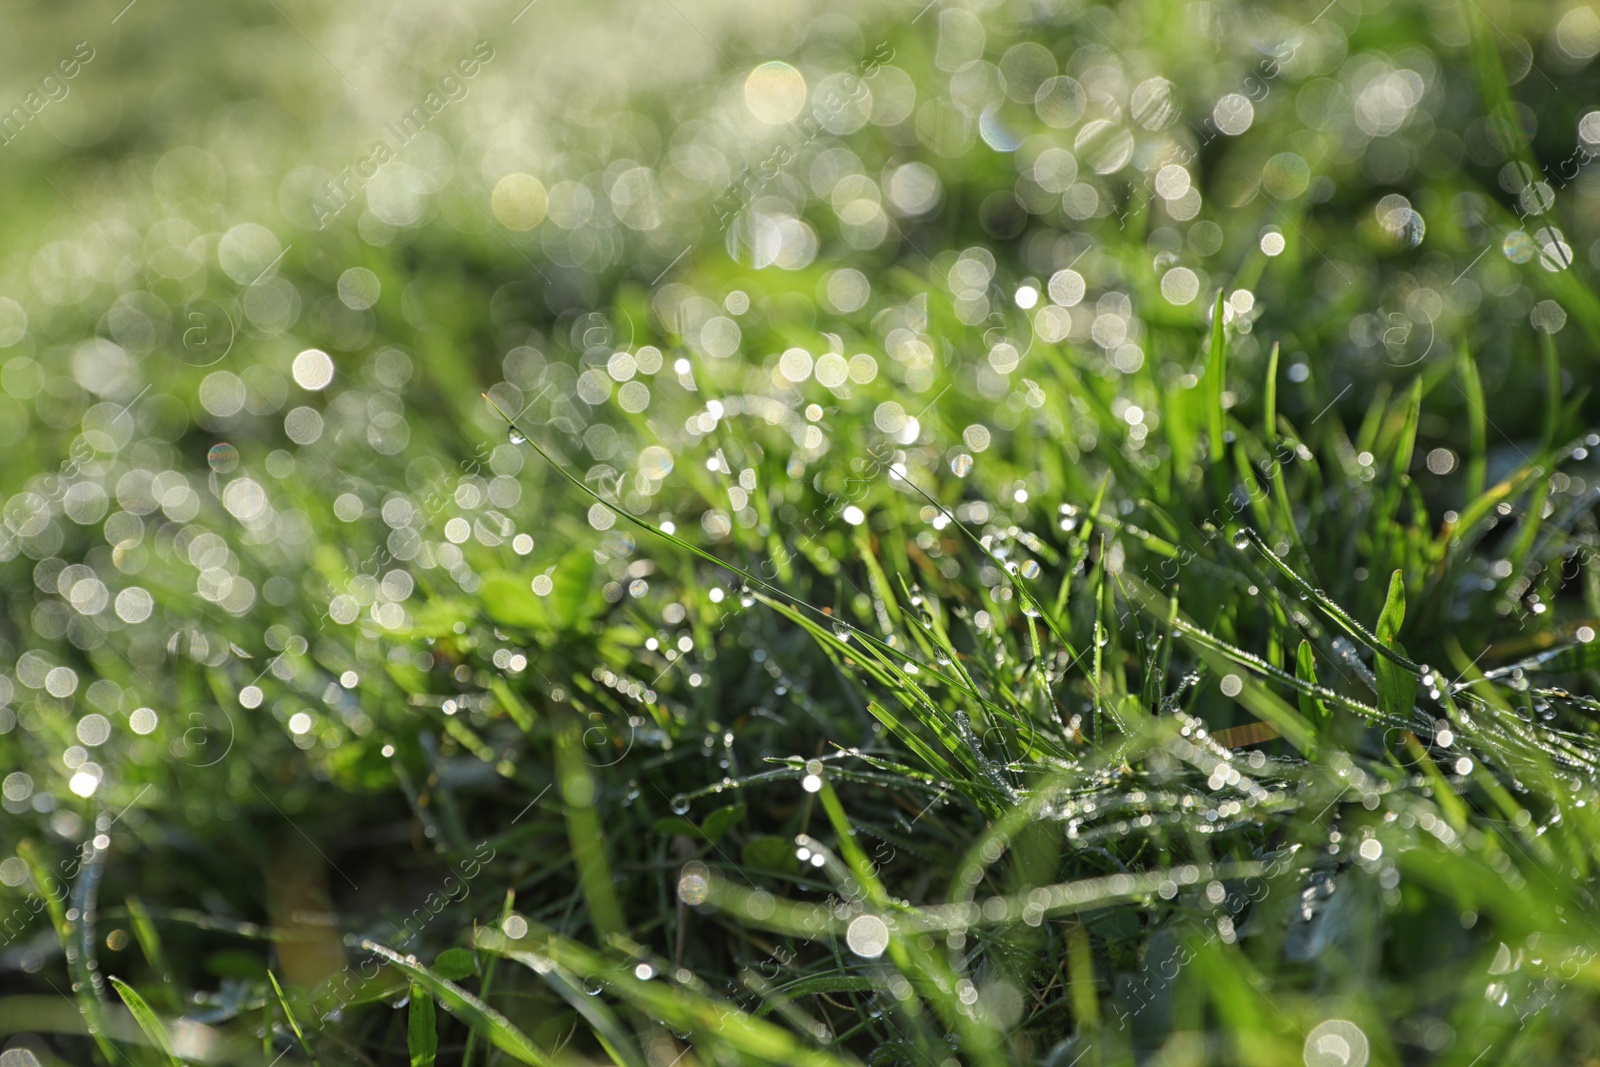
(422, 1034)
(1397, 686)
(572, 579)
(1306, 670)
(770, 852)
(455, 964)
(438, 617)
(676, 824)
(147, 1019)
(720, 821)
(509, 599)
(519, 711)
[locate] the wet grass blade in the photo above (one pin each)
(487, 985)
(1397, 685)
(1315, 711)
(804, 987)
(288, 1014)
(680, 1007)
(496, 1028)
(147, 1019)
(91, 1007)
(422, 1032)
(1216, 384)
(1333, 610)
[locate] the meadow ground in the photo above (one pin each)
(717, 533)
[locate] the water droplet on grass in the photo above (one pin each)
(679, 803)
(516, 436)
(1241, 540)
(867, 936)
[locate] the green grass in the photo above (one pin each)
(1198, 681)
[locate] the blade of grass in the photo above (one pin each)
(1315, 711)
(288, 1013)
(463, 1005)
(422, 1032)
(147, 1019)
(144, 931)
(1216, 385)
(487, 985)
(1477, 428)
(1397, 684)
(579, 790)
(682, 1007)
(1333, 610)
(88, 1004)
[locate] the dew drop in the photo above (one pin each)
(515, 436)
(680, 804)
(1241, 540)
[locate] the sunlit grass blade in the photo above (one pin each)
(1322, 600)
(147, 1019)
(289, 1016)
(496, 1028)
(1397, 684)
(1313, 709)
(1216, 382)
(680, 1007)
